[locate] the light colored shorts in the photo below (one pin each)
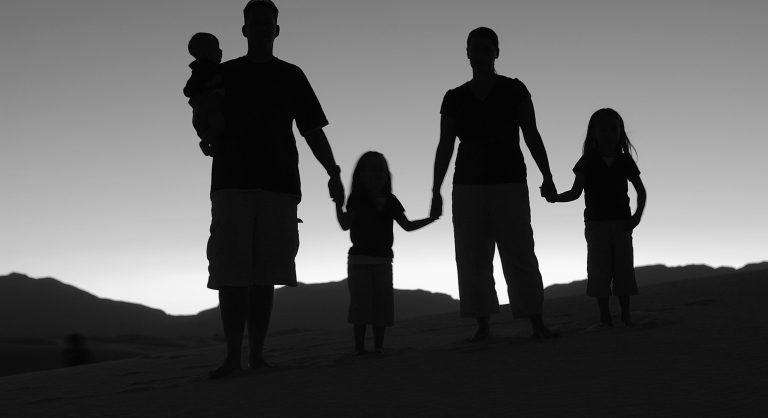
(371, 294)
(610, 259)
(254, 239)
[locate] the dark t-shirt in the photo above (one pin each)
(605, 188)
(262, 101)
(371, 230)
(202, 72)
(489, 133)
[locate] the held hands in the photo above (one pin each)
(548, 190)
(336, 189)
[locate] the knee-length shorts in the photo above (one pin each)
(486, 217)
(254, 239)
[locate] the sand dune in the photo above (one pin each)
(699, 350)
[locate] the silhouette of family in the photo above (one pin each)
(243, 113)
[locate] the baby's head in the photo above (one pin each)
(204, 46)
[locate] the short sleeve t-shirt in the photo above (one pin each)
(489, 133)
(605, 188)
(371, 229)
(258, 148)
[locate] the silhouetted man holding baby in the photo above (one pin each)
(255, 186)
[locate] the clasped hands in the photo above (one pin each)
(548, 190)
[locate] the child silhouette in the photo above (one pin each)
(602, 173)
(205, 91)
(371, 208)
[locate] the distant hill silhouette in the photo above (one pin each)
(658, 273)
(48, 307)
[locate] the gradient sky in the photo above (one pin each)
(104, 187)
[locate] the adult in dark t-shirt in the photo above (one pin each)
(260, 152)
(255, 185)
(490, 193)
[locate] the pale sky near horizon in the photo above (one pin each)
(104, 187)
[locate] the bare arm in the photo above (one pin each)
(442, 160)
(321, 149)
(574, 193)
(641, 197)
(409, 225)
(535, 145)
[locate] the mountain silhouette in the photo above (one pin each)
(47, 307)
(657, 273)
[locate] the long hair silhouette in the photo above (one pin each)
(358, 184)
(607, 115)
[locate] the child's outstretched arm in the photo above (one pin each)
(574, 193)
(343, 217)
(409, 225)
(641, 196)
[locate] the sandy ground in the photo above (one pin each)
(699, 350)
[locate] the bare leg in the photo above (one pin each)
(483, 329)
(539, 330)
(359, 330)
(378, 339)
(605, 312)
(233, 304)
(261, 299)
(625, 317)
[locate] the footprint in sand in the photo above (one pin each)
(201, 366)
(127, 374)
(350, 358)
(134, 390)
(160, 356)
(647, 320)
(346, 358)
(600, 327)
(702, 302)
(46, 400)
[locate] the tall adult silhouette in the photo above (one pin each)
(255, 185)
(490, 191)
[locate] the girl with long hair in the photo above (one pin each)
(370, 210)
(602, 174)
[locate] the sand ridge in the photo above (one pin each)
(698, 350)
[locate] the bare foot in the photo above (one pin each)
(606, 323)
(224, 369)
(260, 363)
(481, 334)
(544, 333)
